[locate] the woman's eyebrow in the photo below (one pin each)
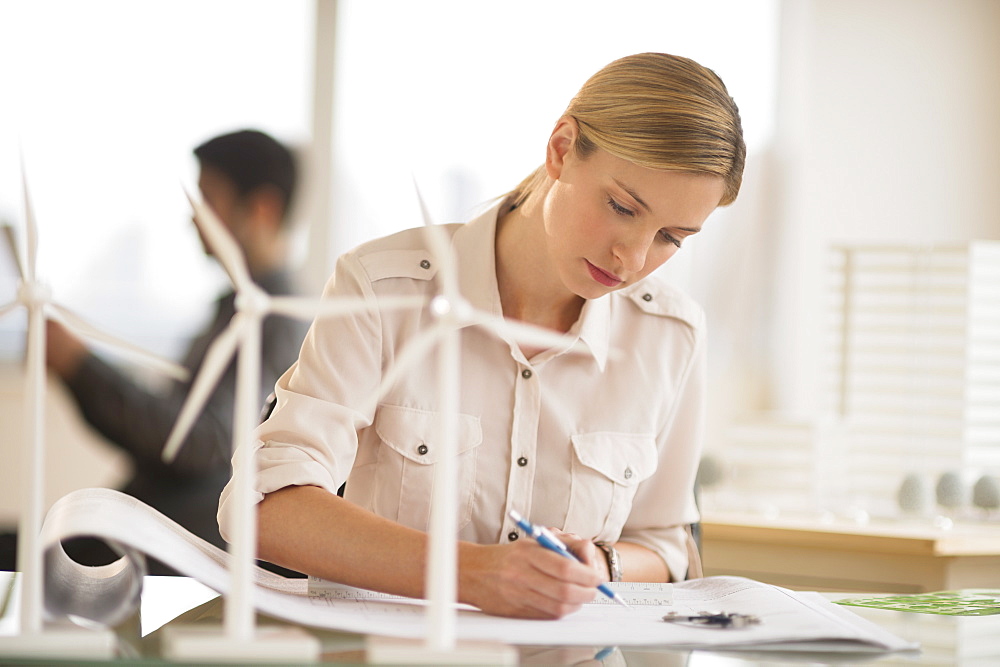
(632, 194)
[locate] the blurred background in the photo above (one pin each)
(870, 124)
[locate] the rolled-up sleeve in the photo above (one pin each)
(311, 436)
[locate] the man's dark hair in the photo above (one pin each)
(251, 158)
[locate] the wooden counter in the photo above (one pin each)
(880, 556)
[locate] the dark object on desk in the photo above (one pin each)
(714, 619)
(915, 495)
(950, 490)
(986, 493)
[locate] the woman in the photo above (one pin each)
(600, 440)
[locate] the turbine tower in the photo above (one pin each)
(36, 298)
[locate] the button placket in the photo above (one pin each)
(523, 443)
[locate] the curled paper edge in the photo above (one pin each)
(102, 596)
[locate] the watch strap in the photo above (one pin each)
(613, 558)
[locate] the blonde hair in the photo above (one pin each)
(658, 111)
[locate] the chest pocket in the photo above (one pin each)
(607, 469)
(406, 464)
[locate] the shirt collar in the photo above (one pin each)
(595, 328)
(474, 244)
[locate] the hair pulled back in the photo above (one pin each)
(659, 111)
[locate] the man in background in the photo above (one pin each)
(248, 179)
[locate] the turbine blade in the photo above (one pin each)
(416, 349)
(10, 236)
(215, 363)
(9, 307)
(308, 308)
(31, 228)
(221, 242)
(440, 247)
(83, 328)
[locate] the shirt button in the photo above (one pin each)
(424, 264)
(628, 473)
(522, 462)
(645, 297)
(512, 536)
(526, 373)
(422, 449)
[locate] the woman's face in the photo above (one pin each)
(610, 223)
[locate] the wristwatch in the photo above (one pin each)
(614, 560)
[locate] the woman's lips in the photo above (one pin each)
(603, 277)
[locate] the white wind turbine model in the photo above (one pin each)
(453, 313)
(36, 298)
(239, 639)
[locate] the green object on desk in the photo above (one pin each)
(973, 602)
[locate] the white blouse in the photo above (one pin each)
(602, 439)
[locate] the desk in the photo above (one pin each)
(880, 556)
(963, 641)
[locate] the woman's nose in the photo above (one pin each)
(631, 252)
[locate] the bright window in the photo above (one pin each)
(106, 99)
(463, 95)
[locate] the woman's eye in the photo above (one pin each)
(665, 235)
(619, 209)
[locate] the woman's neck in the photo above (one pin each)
(530, 289)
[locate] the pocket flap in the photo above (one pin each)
(414, 433)
(625, 458)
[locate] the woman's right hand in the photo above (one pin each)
(312, 530)
(523, 580)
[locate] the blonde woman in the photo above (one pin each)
(600, 441)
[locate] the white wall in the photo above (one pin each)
(888, 129)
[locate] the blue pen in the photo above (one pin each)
(545, 537)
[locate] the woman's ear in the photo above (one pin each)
(560, 145)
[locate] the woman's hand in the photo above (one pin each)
(526, 580)
(587, 552)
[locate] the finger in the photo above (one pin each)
(563, 569)
(537, 595)
(564, 535)
(539, 604)
(583, 549)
